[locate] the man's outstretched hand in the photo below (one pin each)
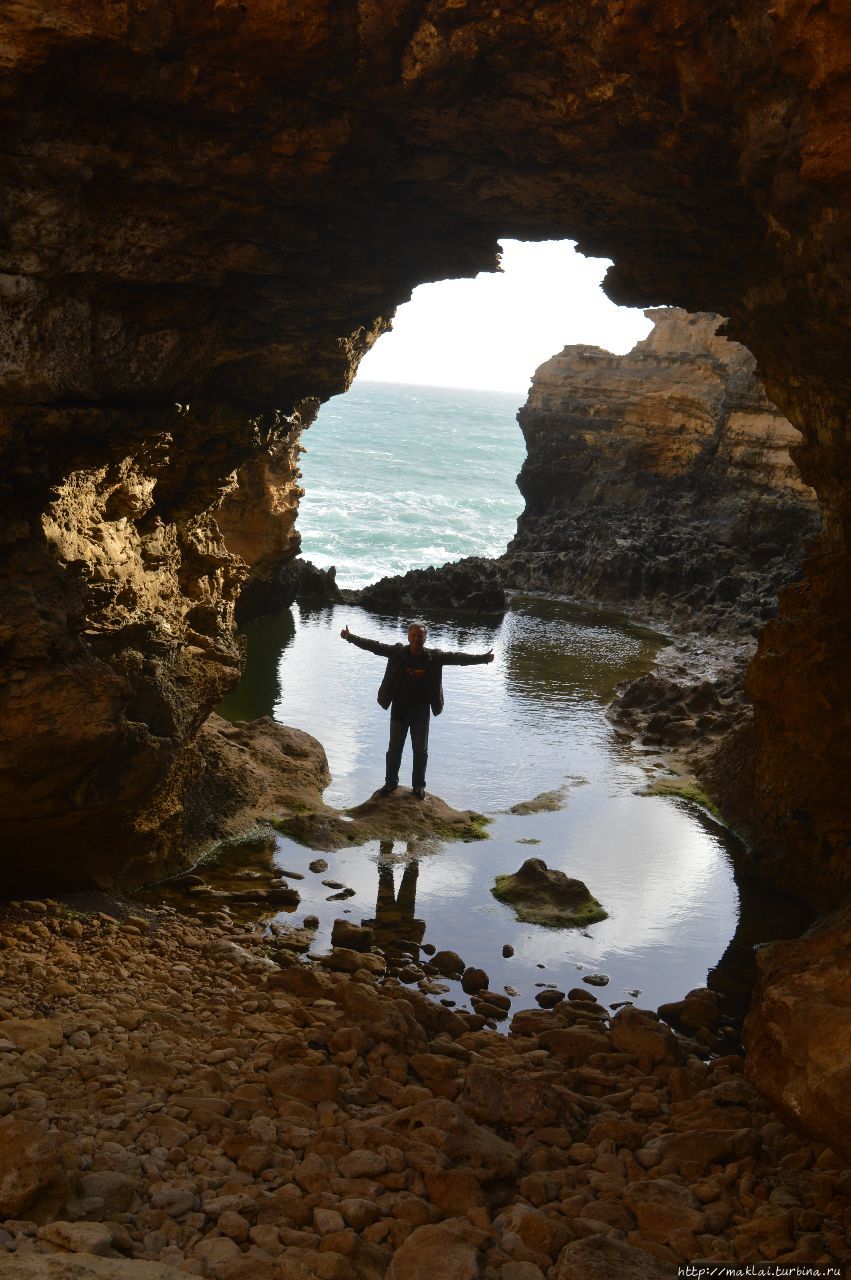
(344, 634)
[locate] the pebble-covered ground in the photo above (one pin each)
(171, 1094)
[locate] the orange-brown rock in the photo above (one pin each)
(799, 1036)
(212, 212)
(257, 520)
(661, 478)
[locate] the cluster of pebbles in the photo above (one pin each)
(177, 1101)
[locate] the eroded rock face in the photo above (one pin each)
(219, 207)
(663, 478)
(799, 1040)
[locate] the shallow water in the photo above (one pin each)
(402, 477)
(530, 722)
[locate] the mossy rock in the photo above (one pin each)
(683, 789)
(399, 816)
(540, 895)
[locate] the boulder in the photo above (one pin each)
(640, 1033)
(54, 1266)
(443, 1250)
(471, 584)
(540, 895)
(356, 937)
(448, 963)
(37, 1034)
(33, 1181)
(798, 1033)
(602, 1257)
(78, 1237)
(700, 1008)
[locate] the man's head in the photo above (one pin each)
(417, 633)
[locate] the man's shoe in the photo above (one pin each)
(388, 788)
(419, 792)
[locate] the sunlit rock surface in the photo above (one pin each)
(661, 478)
(219, 206)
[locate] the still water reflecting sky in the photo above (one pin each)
(532, 721)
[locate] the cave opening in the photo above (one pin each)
(221, 205)
(689, 508)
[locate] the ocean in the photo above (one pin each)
(402, 477)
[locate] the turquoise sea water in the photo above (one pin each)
(400, 477)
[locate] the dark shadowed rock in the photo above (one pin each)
(472, 585)
(606, 1258)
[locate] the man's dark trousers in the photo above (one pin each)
(416, 720)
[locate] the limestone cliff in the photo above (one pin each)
(257, 521)
(210, 211)
(662, 478)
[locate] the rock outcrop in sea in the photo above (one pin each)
(661, 479)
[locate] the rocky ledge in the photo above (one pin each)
(661, 480)
(175, 1103)
(472, 585)
(397, 816)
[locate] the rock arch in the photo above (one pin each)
(211, 212)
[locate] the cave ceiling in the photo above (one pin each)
(219, 205)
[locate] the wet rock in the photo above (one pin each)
(448, 963)
(474, 979)
(544, 802)
(640, 1033)
(543, 896)
(468, 584)
(318, 865)
(546, 999)
(354, 936)
(397, 816)
(574, 1045)
(700, 1008)
(507, 951)
(344, 960)
(596, 979)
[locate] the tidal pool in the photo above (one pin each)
(533, 721)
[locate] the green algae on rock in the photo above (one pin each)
(540, 895)
(544, 802)
(398, 816)
(683, 789)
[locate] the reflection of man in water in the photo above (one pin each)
(394, 913)
(412, 688)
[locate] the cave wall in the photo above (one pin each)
(661, 479)
(210, 211)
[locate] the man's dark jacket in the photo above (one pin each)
(398, 654)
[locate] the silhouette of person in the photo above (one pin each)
(412, 688)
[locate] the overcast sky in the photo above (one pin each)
(494, 331)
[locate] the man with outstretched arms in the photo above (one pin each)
(412, 688)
